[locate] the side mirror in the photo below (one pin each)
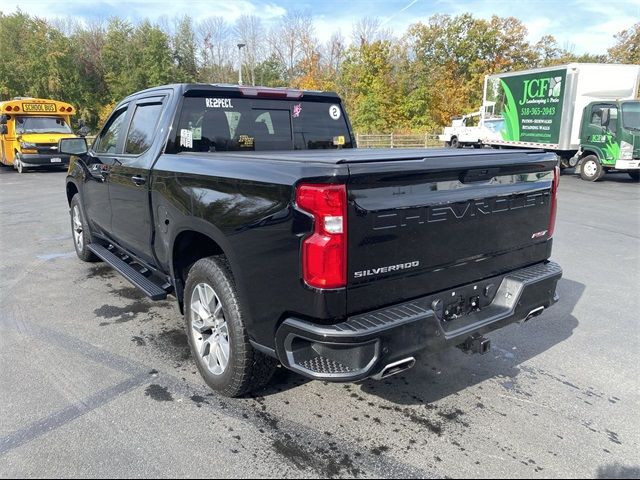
(3, 129)
(4, 119)
(605, 117)
(73, 146)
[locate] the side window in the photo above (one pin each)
(613, 120)
(143, 124)
(596, 116)
(108, 139)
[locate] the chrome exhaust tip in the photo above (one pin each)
(533, 313)
(395, 367)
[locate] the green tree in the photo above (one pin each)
(271, 72)
(369, 88)
(184, 50)
(155, 61)
(627, 47)
(120, 60)
(453, 55)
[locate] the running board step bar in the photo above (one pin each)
(144, 284)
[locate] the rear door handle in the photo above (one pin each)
(138, 180)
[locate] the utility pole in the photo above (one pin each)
(240, 45)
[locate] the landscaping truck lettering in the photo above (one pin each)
(531, 106)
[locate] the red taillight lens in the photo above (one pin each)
(324, 253)
(69, 109)
(554, 201)
(9, 108)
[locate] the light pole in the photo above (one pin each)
(240, 45)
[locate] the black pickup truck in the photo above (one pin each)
(283, 243)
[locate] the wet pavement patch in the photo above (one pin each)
(173, 342)
(433, 427)
(130, 293)
(101, 271)
(320, 460)
(52, 256)
(139, 341)
(122, 314)
(199, 400)
(379, 450)
(158, 393)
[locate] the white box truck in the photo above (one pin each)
(588, 114)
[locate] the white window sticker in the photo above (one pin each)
(334, 112)
(218, 103)
(186, 138)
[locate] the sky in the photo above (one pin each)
(582, 26)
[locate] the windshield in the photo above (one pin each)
(211, 124)
(631, 115)
(495, 125)
(41, 125)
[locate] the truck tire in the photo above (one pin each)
(590, 169)
(217, 334)
(17, 162)
(454, 142)
(80, 231)
(635, 175)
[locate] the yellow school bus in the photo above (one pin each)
(30, 129)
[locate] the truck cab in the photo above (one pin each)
(610, 138)
(30, 129)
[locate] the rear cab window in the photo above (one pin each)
(211, 122)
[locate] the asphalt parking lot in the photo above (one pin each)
(97, 381)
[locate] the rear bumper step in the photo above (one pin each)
(365, 345)
(143, 283)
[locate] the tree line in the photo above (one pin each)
(415, 82)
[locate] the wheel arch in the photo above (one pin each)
(72, 189)
(591, 151)
(189, 245)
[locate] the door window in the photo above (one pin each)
(107, 142)
(597, 116)
(143, 125)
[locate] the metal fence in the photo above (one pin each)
(395, 140)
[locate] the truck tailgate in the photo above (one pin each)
(419, 226)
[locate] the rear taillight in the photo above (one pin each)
(554, 201)
(324, 252)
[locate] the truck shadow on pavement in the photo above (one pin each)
(616, 470)
(443, 374)
(440, 375)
